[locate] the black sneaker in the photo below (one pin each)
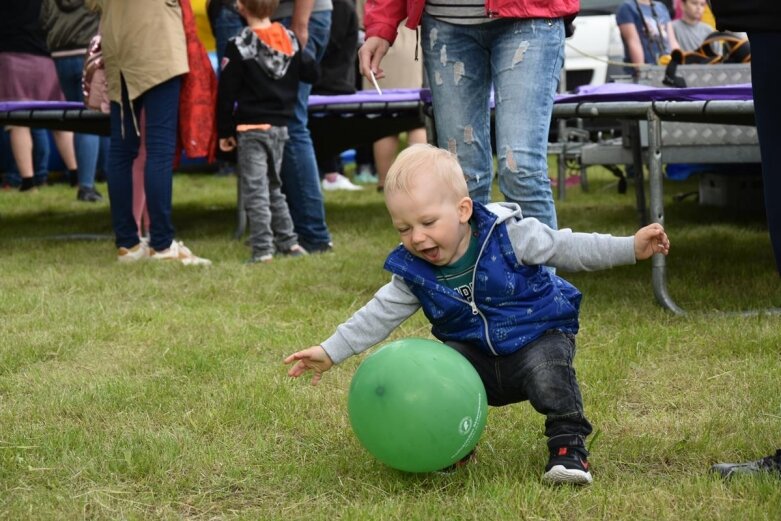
(326, 247)
(89, 195)
(769, 464)
(568, 465)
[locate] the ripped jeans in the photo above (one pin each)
(522, 59)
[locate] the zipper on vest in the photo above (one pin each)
(473, 303)
(476, 311)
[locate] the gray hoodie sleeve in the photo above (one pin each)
(536, 243)
(391, 305)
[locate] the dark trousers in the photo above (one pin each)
(542, 373)
(161, 105)
(765, 79)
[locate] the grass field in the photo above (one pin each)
(156, 391)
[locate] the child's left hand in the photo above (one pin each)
(227, 143)
(649, 240)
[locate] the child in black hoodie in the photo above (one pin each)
(257, 94)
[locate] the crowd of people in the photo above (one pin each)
(270, 54)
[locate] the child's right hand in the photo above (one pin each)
(314, 358)
(650, 240)
(227, 143)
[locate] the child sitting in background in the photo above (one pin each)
(256, 97)
(479, 274)
(690, 30)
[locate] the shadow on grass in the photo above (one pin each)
(207, 220)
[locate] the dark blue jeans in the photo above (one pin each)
(227, 25)
(300, 175)
(87, 146)
(161, 107)
(765, 78)
(542, 373)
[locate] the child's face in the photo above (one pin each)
(694, 9)
(432, 222)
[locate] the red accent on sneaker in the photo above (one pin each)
(584, 463)
(562, 451)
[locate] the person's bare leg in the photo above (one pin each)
(417, 136)
(386, 149)
(22, 149)
(64, 142)
(384, 153)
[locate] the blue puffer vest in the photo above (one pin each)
(513, 304)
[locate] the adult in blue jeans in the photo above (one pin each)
(226, 22)
(514, 48)
(69, 27)
(310, 20)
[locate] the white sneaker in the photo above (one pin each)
(341, 183)
(137, 253)
(180, 253)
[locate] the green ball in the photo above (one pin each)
(417, 405)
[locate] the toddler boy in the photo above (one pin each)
(479, 274)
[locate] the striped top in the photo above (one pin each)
(458, 12)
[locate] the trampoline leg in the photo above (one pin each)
(637, 162)
(656, 179)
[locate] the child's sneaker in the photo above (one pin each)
(768, 464)
(568, 465)
(180, 253)
(137, 253)
(260, 259)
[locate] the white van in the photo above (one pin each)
(594, 53)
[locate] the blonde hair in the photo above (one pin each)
(426, 160)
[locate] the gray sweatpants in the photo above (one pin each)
(259, 162)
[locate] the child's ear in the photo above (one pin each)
(464, 210)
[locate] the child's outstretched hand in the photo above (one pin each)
(227, 143)
(314, 358)
(649, 240)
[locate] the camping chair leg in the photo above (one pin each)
(656, 179)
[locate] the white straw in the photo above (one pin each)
(374, 81)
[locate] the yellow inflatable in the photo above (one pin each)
(708, 18)
(202, 22)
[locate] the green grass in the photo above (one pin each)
(157, 392)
